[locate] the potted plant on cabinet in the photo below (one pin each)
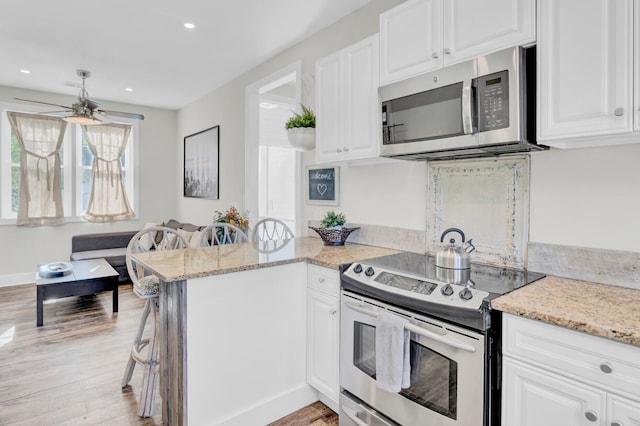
(301, 129)
(332, 229)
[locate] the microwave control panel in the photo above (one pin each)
(493, 101)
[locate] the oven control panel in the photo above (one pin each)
(416, 287)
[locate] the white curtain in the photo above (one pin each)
(40, 138)
(108, 201)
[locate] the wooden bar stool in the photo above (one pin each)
(146, 286)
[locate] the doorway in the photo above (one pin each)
(273, 168)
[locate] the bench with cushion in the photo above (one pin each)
(112, 246)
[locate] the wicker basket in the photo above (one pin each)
(334, 236)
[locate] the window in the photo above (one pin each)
(76, 162)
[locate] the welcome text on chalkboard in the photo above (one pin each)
(322, 184)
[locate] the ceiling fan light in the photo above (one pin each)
(82, 119)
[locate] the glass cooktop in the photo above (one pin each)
(492, 279)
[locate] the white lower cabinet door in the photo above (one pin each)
(533, 397)
(623, 411)
(323, 343)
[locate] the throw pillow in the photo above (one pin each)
(168, 242)
(147, 240)
(195, 239)
(189, 227)
(173, 224)
(186, 235)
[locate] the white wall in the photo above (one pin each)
(581, 197)
(226, 107)
(586, 197)
(22, 248)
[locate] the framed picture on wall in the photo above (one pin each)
(202, 164)
(323, 185)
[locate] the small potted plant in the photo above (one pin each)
(332, 229)
(301, 129)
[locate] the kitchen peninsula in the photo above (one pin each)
(233, 327)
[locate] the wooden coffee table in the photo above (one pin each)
(88, 277)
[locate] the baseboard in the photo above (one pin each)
(9, 280)
(330, 402)
(272, 409)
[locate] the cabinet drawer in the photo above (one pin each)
(613, 365)
(324, 279)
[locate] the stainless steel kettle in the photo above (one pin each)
(454, 256)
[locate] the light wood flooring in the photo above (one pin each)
(69, 371)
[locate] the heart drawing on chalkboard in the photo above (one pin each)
(322, 188)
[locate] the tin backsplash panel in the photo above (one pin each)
(489, 200)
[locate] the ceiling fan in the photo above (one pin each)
(85, 111)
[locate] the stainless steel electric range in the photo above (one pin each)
(455, 346)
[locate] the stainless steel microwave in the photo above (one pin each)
(478, 108)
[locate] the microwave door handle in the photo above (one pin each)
(467, 117)
(416, 329)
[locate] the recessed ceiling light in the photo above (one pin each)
(128, 89)
(25, 71)
(189, 25)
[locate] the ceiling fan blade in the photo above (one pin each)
(53, 112)
(43, 103)
(121, 114)
(102, 118)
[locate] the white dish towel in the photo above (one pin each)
(393, 367)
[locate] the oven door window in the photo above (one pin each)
(434, 377)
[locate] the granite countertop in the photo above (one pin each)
(177, 265)
(598, 309)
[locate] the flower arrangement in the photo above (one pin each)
(232, 217)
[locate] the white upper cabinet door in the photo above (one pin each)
(473, 27)
(585, 68)
(329, 107)
(361, 98)
(410, 39)
(532, 397)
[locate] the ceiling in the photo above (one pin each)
(143, 45)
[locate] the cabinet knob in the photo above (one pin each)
(447, 51)
(346, 149)
(333, 312)
(320, 280)
(339, 150)
(618, 112)
(434, 55)
(617, 423)
(605, 367)
(591, 415)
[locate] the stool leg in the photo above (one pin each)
(147, 394)
(137, 344)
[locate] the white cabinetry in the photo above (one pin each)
(323, 343)
(422, 35)
(347, 103)
(554, 376)
(410, 39)
(585, 71)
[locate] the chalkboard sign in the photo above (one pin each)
(323, 185)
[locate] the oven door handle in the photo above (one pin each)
(417, 329)
(352, 415)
